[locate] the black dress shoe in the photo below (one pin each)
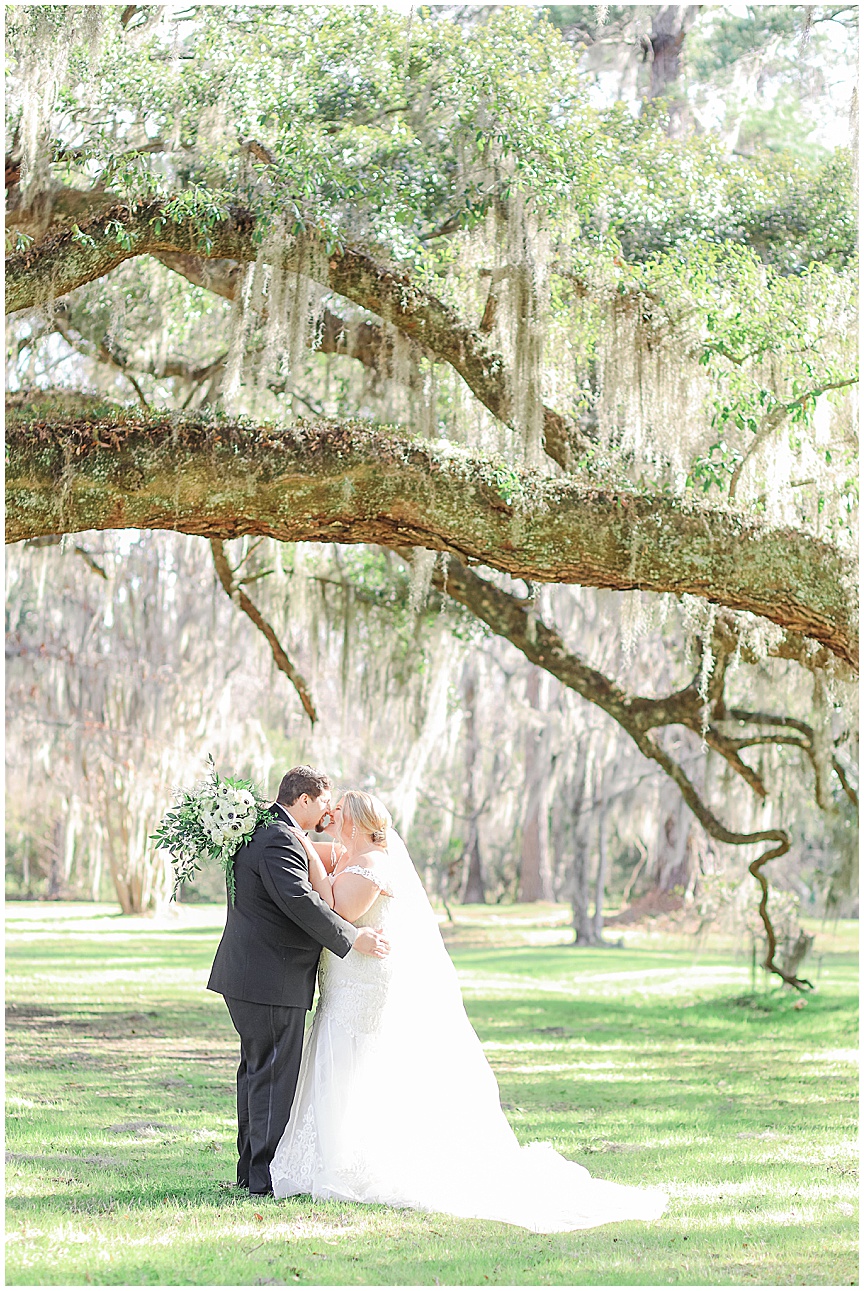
(267, 1192)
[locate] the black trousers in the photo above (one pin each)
(271, 1046)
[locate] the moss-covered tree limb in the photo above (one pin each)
(68, 258)
(367, 342)
(510, 617)
(233, 589)
(515, 619)
(331, 482)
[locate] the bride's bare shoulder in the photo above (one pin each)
(371, 866)
(360, 865)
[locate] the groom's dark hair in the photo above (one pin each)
(300, 780)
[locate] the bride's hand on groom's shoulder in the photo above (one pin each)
(370, 942)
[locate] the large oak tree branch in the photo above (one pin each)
(365, 341)
(64, 260)
(331, 482)
(511, 618)
(368, 342)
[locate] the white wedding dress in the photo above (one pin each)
(396, 1103)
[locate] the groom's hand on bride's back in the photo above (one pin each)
(370, 942)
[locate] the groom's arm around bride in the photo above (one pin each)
(265, 966)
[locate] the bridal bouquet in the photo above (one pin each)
(210, 822)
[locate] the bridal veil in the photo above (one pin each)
(397, 1104)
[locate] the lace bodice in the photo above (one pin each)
(353, 990)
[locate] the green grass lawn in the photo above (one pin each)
(648, 1063)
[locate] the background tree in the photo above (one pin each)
(622, 352)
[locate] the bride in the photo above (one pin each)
(395, 1102)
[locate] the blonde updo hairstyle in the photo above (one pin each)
(368, 812)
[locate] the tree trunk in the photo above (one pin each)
(580, 882)
(97, 836)
(795, 952)
(535, 872)
(474, 891)
(673, 850)
(55, 874)
(642, 851)
(69, 839)
(142, 876)
(602, 861)
(668, 31)
(117, 858)
(473, 885)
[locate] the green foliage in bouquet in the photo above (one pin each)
(211, 822)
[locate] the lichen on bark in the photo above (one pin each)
(349, 482)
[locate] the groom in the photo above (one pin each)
(266, 962)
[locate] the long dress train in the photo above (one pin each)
(396, 1103)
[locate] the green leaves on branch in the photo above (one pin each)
(85, 239)
(203, 208)
(509, 484)
(115, 230)
(714, 469)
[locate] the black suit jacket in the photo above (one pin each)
(276, 924)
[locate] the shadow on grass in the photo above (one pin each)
(124, 1108)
